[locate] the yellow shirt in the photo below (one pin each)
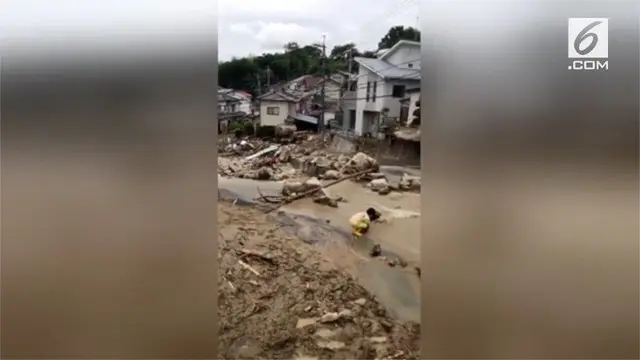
(359, 222)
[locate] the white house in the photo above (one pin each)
(381, 84)
(278, 105)
(233, 101)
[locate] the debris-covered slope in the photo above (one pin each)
(279, 299)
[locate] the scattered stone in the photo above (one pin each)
(360, 162)
(304, 322)
(384, 191)
(394, 187)
(329, 317)
(387, 325)
(345, 313)
(410, 183)
(376, 250)
(304, 357)
(378, 184)
(331, 345)
(325, 200)
(264, 174)
(378, 339)
(331, 175)
(325, 333)
(360, 301)
(292, 187)
(312, 183)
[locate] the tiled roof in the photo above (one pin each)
(387, 70)
(280, 95)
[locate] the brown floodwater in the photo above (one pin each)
(327, 228)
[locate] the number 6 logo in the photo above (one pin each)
(588, 38)
(584, 35)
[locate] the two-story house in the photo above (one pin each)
(233, 101)
(381, 83)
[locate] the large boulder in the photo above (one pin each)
(410, 183)
(264, 173)
(292, 187)
(331, 175)
(285, 130)
(378, 184)
(312, 183)
(361, 162)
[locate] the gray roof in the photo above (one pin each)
(306, 118)
(387, 70)
(280, 95)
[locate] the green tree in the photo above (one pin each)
(296, 60)
(396, 34)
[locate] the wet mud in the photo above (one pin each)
(396, 287)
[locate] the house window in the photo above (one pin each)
(368, 89)
(410, 65)
(398, 91)
(375, 86)
(353, 86)
(273, 110)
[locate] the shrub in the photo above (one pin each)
(266, 131)
(249, 129)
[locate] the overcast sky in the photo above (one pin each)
(256, 26)
(244, 26)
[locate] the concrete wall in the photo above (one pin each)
(407, 56)
(272, 120)
(397, 152)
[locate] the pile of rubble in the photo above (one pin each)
(294, 162)
(382, 186)
(279, 298)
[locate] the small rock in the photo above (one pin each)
(325, 200)
(377, 175)
(312, 183)
(387, 325)
(384, 191)
(360, 301)
(291, 187)
(331, 175)
(345, 313)
(331, 345)
(306, 322)
(329, 317)
(325, 333)
(378, 339)
(376, 250)
(378, 184)
(264, 174)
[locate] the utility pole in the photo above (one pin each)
(259, 86)
(324, 83)
(349, 62)
(268, 78)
